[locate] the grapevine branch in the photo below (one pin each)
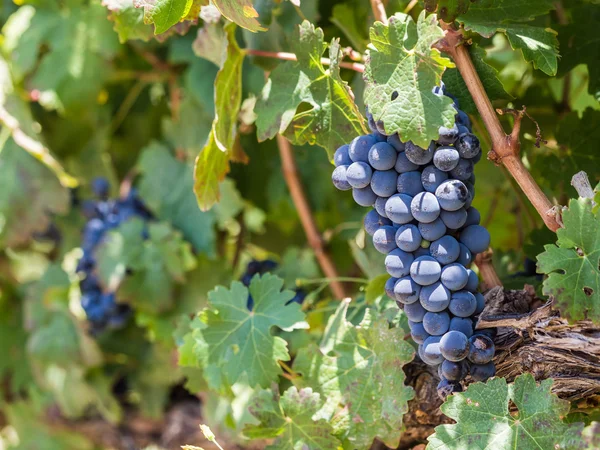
(505, 148)
(290, 173)
(379, 11)
(357, 67)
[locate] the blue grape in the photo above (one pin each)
(453, 370)
(447, 387)
(410, 183)
(370, 120)
(462, 119)
(406, 290)
(414, 311)
(373, 221)
(339, 178)
(359, 174)
(403, 164)
(397, 208)
(100, 187)
(476, 238)
(389, 287)
(463, 170)
(397, 263)
(462, 324)
(432, 354)
(384, 239)
(382, 156)
(481, 349)
(436, 323)
(364, 196)
(435, 297)
(425, 207)
(481, 372)
(447, 136)
(432, 230)
(473, 217)
(408, 238)
(463, 304)
(380, 206)
(465, 257)
(454, 219)
(468, 145)
(92, 234)
(473, 281)
(394, 141)
(418, 155)
(383, 182)
(451, 195)
(480, 302)
(425, 270)
(454, 276)
(360, 146)
(446, 158)
(379, 136)
(445, 250)
(341, 156)
(454, 346)
(432, 177)
(417, 332)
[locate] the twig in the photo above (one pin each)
(410, 6)
(487, 271)
(505, 148)
(313, 236)
(379, 11)
(357, 67)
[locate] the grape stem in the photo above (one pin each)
(487, 270)
(357, 67)
(505, 148)
(379, 11)
(315, 240)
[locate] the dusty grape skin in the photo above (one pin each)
(338, 177)
(418, 155)
(476, 238)
(408, 238)
(481, 372)
(364, 196)
(383, 182)
(373, 221)
(452, 195)
(360, 146)
(454, 276)
(432, 177)
(454, 346)
(397, 208)
(406, 290)
(432, 231)
(384, 239)
(382, 156)
(446, 158)
(435, 297)
(341, 156)
(462, 324)
(358, 174)
(445, 250)
(425, 270)
(436, 323)
(463, 304)
(403, 164)
(397, 263)
(409, 183)
(481, 349)
(425, 207)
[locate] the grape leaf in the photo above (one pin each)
(579, 42)
(330, 117)
(166, 13)
(368, 398)
(344, 16)
(240, 12)
(166, 187)
(210, 43)
(401, 71)
(578, 134)
(240, 341)
(573, 264)
(128, 20)
(210, 168)
(484, 420)
(448, 10)
(14, 365)
(488, 75)
(539, 45)
(291, 420)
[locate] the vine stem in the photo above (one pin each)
(379, 11)
(487, 271)
(315, 240)
(505, 148)
(357, 67)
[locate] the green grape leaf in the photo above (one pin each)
(488, 75)
(400, 74)
(240, 341)
(29, 194)
(375, 288)
(14, 365)
(485, 421)
(344, 16)
(329, 117)
(210, 168)
(573, 264)
(368, 398)
(166, 186)
(539, 45)
(165, 13)
(291, 420)
(210, 42)
(448, 10)
(128, 20)
(240, 12)
(579, 134)
(56, 342)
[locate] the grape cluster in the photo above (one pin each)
(260, 267)
(103, 214)
(423, 221)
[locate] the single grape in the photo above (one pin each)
(454, 276)
(432, 177)
(445, 250)
(409, 183)
(389, 287)
(480, 302)
(384, 239)
(481, 372)
(468, 145)
(425, 207)
(470, 194)
(383, 182)
(447, 387)
(463, 170)
(451, 195)
(364, 196)
(435, 297)
(417, 332)
(473, 281)
(432, 230)
(462, 119)
(463, 304)
(425, 270)
(454, 346)
(481, 349)
(341, 156)
(398, 208)
(101, 187)
(373, 221)
(397, 263)
(406, 290)
(408, 238)
(418, 155)
(360, 146)
(359, 174)
(465, 257)
(414, 311)
(431, 351)
(93, 233)
(446, 158)
(436, 323)
(403, 164)
(454, 370)
(394, 141)
(447, 135)
(382, 156)
(476, 238)
(462, 324)
(338, 177)
(380, 206)
(454, 219)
